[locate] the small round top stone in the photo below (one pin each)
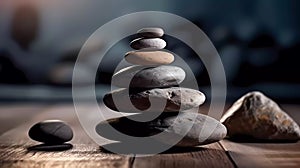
(150, 32)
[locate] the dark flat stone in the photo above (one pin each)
(148, 77)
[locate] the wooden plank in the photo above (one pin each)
(79, 156)
(205, 156)
(263, 154)
(85, 153)
(266, 154)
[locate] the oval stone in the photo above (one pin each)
(149, 57)
(143, 43)
(148, 77)
(200, 129)
(175, 99)
(51, 132)
(150, 32)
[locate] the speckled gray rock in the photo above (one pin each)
(175, 99)
(51, 132)
(142, 43)
(149, 57)
(257, 116)
(150, 32)
(148, 77)
(200, 129)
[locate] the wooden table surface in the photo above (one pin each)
(16, 119)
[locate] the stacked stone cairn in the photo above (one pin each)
(152, 78)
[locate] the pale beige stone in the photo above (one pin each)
(149, 57)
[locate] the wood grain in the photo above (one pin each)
(79, 156)
(263, 154)
(206, 156)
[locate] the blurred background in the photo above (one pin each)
(258, 42)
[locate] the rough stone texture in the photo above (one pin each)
(51, 132)
(150, 32)
(200, 129)
(175, 98)
(148, 77)
(142, 43)
(257, 116)
(149, 57)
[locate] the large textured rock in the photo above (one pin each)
(148, 77)
(257, 116)
(175, 99)
(203, 129)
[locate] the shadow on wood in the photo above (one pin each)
(50, 148)
(123, 147)
(249, 139)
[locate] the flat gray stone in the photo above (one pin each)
(175, 98)
(51, 132)
(150, 32)
(191, 129)
(143, 43)
(148, 77)
(257, 116)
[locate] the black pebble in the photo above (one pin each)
(51, 132)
